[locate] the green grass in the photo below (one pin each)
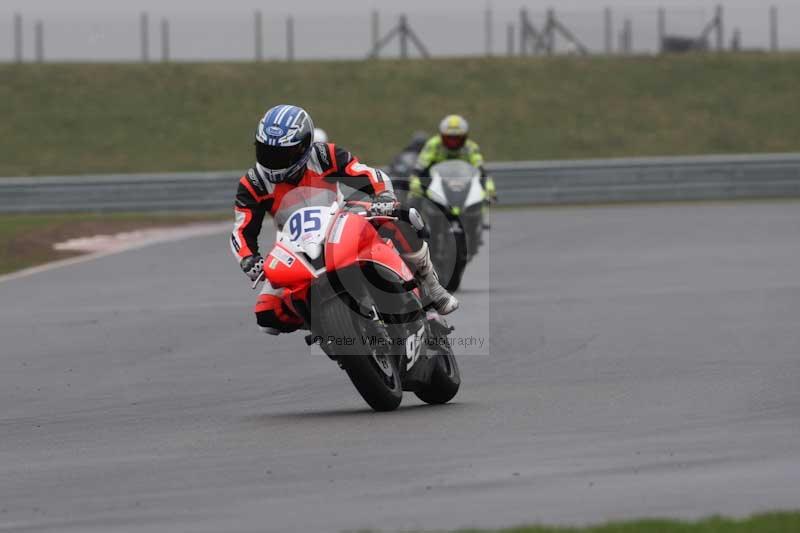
(27, 240)
(782, 522)
(79, 118)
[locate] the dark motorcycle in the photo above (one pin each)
(402, 166)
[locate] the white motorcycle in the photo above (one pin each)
(455, 217)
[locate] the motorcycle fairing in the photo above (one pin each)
(456, 185)
(284, 268)
(456, 194)
(353, 239)
(350, 241)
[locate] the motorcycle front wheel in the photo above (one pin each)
(371, 368)
(445, 381)
(454, 281)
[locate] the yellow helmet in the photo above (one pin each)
(453, 130)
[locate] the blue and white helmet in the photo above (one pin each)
(283, 143)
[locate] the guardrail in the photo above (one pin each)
(518, 183)
(649, 179)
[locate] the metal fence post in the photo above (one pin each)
(629, 36)
(290, 38)
(488, 23)
(662, 28)
(403, 33)
(720, 28)
(144, 35)
(258, 36)
(510, 40)
(626, 37)
(17, 37)
(551, 31)
(376, 30)
(38, 30)
(609, 28)
(736, 40)
(164, 40)
(773, 28)
(403, 37)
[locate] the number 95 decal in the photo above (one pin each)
(305, 221)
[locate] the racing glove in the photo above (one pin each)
(252, 266)
(415, 187)
(384, 204)
(490, 190)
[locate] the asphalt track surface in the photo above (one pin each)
(643, 361)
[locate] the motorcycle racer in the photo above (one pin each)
(452, 142)
(287, 157)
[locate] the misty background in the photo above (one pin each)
(98, 30)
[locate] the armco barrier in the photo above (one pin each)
(649, 179)
(125, 192)
(518, 183)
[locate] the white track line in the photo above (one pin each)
(162, 236)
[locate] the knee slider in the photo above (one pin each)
(270, 313)
(270, 319)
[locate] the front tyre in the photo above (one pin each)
(454, 281)
(445, 381)
(373, 373)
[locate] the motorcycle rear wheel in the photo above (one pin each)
(374, 374)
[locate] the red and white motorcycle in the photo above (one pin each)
(359, 299)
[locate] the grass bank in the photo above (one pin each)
(91, 118)
(27, 240)
(784, 522)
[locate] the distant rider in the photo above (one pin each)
(286, 158)
(320, 135)
(402, 165)
(451, 143)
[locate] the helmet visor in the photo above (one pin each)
(279, 157)
(453, 142)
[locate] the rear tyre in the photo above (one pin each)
(445, 381)
(374, 374)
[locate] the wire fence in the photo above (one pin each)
(243, 36)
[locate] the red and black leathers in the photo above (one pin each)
(327, 166)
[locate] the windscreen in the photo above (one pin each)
(454, 169)
(456, 176)
(302, 197)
